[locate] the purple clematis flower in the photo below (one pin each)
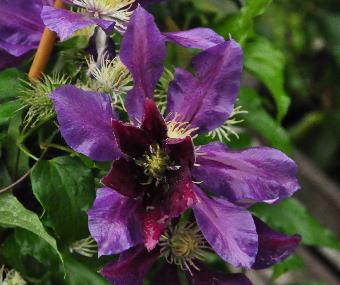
(132, 266)
(155, 162)
(103, 13)
(20, 30)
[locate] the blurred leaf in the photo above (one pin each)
(9, 83)
(307, 283)
(260, 121)
(240, 26)
(219, 7)
(7, 110)
(291, 217)
(15, 160)
(13, 214)
(78, 274)
(267, 64)
(292, 263)
(65, 189)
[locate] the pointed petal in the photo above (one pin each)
(113, 222)
(167, 275)
(207, 100)
(154, 222)
(153, 123)
(123, 178)
(229, 229)
(182, 195)
(85, 122)
(131, 140)
(131, 267)
(65, 23)
(143, 53)
(181, 151)
(259, 174)
(274, 247)
(201, 38)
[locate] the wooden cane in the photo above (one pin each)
(44, 50)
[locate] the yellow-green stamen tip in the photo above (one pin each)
(178, 129)
(182, 245)
(155, 163)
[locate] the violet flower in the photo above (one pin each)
(155, 162)
(20, 30)
(132, 266)
(106, 14)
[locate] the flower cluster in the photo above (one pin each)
(157, 172)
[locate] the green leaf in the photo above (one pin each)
(8, 110)
(10, 83)
(15, 160)
(14, 214)
(291, 217)
(78, 274)
(292, 263)
(259, 120)
(240, 26)
(65, 189)
(267, 64)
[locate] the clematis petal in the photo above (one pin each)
(181, 151)
(122, 178)
(20, 26)
(154, 220)
(7, 60)
(200, 38)
(229, 229)
(132, 141)
(167, 275)
(85, 122)
(182, 195)
(207, 100)
(143, 53)
(153, 123)
(113, 222)
(65, 23)
(101, 47)
(273, 246)
(259, 174)
(131, 266)
(206, 276)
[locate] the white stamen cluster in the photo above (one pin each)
(111, 77)
(118, 11)
(10, 277)
(182, 245)
(86, 247)
(223, 132)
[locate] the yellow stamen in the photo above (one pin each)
(182, 245)
(155, 163)
(178, 129)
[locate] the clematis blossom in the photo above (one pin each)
(106, 14)
(20, 30)
(157, 173)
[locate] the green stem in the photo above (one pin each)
(57, 146)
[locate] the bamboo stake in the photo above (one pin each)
(44, 50)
